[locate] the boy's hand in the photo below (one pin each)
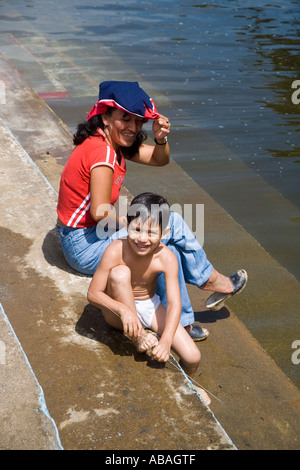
(131, 323)
(161, 352)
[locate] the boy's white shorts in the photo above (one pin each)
(146, 310)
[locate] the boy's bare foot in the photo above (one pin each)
(203, 395)
(145, 341)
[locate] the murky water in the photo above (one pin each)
(223, 71)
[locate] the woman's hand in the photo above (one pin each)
(157, 155)
(161, 128)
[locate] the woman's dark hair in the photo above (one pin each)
(89, 128)
(151, 205)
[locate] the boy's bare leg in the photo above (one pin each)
(183, 345)
(119, 288)
(203, 395)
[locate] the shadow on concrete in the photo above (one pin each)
(92, 325)
(208, 316)
(53, 253)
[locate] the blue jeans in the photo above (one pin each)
(83, 251)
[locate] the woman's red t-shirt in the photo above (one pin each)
(74, 193)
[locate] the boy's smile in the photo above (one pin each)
(143, 238)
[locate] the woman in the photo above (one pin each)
(91, 183)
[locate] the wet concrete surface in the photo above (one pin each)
(99, 392)
(25, 421)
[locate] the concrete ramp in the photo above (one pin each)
(25, 420)
(100, 393)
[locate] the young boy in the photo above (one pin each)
(124, 286)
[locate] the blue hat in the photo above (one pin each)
(127, 96)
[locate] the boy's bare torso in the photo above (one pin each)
(144, 269)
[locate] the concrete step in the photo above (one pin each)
(99, 392)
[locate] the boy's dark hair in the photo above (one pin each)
(89, 128)
(151, 205)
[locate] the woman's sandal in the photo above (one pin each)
(217, 299)
(198, 333)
